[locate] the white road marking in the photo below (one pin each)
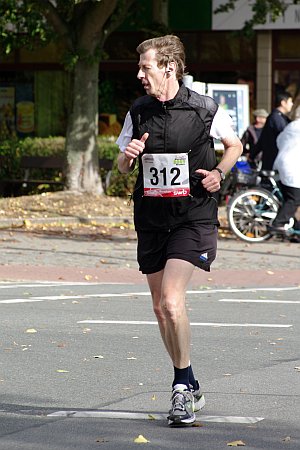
(125, 294)
(149, 416)
(70, 297)
(275, 289)
(5, 285)
(250, 300)
(11, 285)
(195, 324)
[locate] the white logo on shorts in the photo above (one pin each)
(203, 257)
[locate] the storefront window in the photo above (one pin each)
(224, 47)
(287, 46)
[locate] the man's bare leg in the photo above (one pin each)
(168, 289)
(168, 293)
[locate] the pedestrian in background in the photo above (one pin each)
(287, 163)
(276, 122)
(252, 134)
(168, 132)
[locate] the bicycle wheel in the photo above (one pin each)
(250, 212)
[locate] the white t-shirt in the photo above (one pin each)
(287, 161)
(221, 128)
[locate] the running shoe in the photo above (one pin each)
(182, 411)
(199, 400)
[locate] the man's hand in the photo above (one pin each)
(211, 180)
(133, 150)
(135, 147)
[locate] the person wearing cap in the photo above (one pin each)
(253, 132)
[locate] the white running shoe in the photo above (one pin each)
(182, 410)
(199, 400)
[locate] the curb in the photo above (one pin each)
(98, 220)
(18, 222)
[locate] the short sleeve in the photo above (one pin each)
(126, 133)
(222, 125)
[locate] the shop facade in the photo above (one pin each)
(34, 86)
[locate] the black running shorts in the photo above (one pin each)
(195, 243)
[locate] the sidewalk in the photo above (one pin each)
(95, 258)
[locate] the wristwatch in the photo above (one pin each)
(222, 174)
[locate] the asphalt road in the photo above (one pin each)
(82, 367)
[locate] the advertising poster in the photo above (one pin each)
(233, 98)
(25, 120)
(7, 112)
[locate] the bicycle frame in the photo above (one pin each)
(251, 211)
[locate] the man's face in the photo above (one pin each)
(261, 120)
(287, 105)
(152, 77)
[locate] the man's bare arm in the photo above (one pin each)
(233, 149)
(127, 158)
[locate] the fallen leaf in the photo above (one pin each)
(236, 444)
(88, 277)
(297, 368)
(269, 272)
(140, 440)
(153, 397)
(151, 417)
(197, 424)
(62, 371)
(131, 357)
(287, 439)
(31, 330)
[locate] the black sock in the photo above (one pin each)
(192, 379)
(181, 376)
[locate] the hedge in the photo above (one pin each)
(120, 185)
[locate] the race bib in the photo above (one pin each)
(166, 174)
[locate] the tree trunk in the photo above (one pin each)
(81, 145)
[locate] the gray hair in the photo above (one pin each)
(168, 49)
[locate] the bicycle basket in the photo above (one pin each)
(246, 178)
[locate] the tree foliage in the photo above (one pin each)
(81, 27)
(262, 9)
(32, 23)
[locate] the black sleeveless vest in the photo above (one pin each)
(180, 125)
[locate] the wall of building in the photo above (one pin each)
(269, 61)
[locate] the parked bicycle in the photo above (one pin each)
(252, 211)
(241, 176)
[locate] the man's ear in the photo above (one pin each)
(171, 67)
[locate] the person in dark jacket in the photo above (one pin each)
(168, 134)
(276, 122)
(252, 134)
